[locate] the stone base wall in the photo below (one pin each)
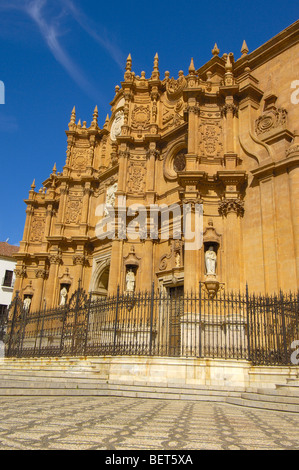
(189, 371)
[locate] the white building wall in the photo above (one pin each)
(6, 292)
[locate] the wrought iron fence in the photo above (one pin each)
(230, 326)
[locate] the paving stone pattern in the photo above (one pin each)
(113, 423)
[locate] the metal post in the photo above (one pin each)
(42, 328)
(283, 329)
(248, 324)
(152, 317)
(87, 322)
(199, 322)
(116, 319)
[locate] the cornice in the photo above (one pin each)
(270, 49)
(274, 168)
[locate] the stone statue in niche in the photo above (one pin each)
(210, 259)
(27, 303)
(130, 280)
(63, 296)
(110, 197)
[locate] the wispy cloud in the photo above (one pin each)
(50, 32)
(49, 21)
(88, 25)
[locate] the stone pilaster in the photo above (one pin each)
(232, 210)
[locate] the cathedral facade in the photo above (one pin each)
(218, 146)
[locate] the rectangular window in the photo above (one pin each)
(7, 281)
(3, 310)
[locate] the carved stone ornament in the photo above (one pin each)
(229, 108)
(175, 87)
(80, 158)
(131, 258)
(66, 278)
(37, 228)
(140, 117)
(110, 197)
(117, 124)
(20, 272)
(41, 273)
(231, 205)
(210, 235)
(79, 260)
(55, 258)
(270, 120)
(73, 209)
(136, 180)
(173, 259)
(211, 285)
(28, 290)
(195, 109)
(211, 138)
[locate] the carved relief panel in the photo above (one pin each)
(140, 117)
(210, 134)
(74, 207)
(172, 115)
(136, 176)
(37, 226)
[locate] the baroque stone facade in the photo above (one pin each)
(223, 135)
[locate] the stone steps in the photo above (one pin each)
(75, 377)
(265, 405)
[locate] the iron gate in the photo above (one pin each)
(235, 325)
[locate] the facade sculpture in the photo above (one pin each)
(130, 281)
(221, 135)
(210, 258)
(63, 296)
(27, 303)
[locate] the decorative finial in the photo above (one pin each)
(191, 67)
(155, 73)
(215, 50)
(128, 71)
(228, 76)
(94, 123)
(33, 185)
(106, 121)
(228, 64)
(79, 124)
(244, 49)
(73, 118)
(54, 169)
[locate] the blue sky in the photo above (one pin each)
(55, 54)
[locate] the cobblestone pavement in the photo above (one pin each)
(113, 423)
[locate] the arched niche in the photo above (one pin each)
(211, 238)
(100, 279)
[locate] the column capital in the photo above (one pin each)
(235, 205)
